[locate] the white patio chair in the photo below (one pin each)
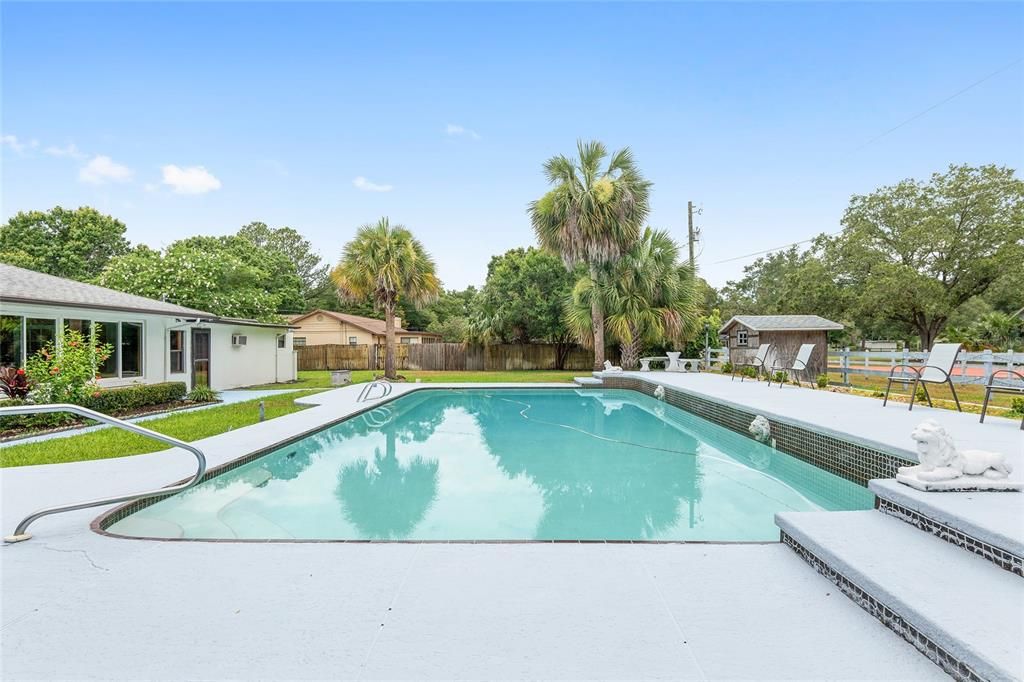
(1011, 384)
(802, 363)
(937, 369)
(758, 363)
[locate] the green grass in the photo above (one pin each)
(111, 442)
(970, 395)
(322, 378)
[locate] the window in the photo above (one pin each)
(741, 337)
(353, 340)
(299, 341)
(282, 341)
(10, 341)
(106, 333)
(177, 345)
(38, 333)
(83, 327)
(131, 349)
(406, 339)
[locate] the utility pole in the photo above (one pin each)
(689, 222)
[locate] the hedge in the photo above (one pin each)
(107, 401)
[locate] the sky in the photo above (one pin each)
(197, 118)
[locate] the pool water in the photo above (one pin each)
(507, 464)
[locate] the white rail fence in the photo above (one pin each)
(970, 368)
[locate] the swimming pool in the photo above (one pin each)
(506, 464)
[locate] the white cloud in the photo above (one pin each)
(151, 187)
(455, 130)
(70, 151)
(367, 186)
(103, 169)
(15, 145)
(189, 180)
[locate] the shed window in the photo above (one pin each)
(282, 341)
(741, 337)
(177, 341)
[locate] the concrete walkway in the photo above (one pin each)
(78, 605)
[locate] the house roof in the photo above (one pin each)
(782, 323)
(18, 285)
(370, 324)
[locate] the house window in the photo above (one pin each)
(281, 340)
(177, 345)
(353, 340)
(83, 327)
(10, 341)
(741, 337)
(406, 339)
(299, 341)
(106, 333)
(38, 333)
(131, 349)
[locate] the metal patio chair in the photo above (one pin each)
(802, 363)
(937, 369)
(759, 362)
(1009, 389)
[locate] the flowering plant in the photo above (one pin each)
(64, 373)
(14, 382)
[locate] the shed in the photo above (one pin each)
(744, 334)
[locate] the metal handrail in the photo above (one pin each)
(364, 394)
(19, 532)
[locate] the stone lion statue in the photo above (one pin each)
(941, 461)
(760, 429)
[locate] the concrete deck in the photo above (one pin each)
(81, 605)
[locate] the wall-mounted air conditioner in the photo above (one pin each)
(239, 339)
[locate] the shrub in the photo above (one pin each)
(1017, 406)
(750, 372)
(780, 377)
(14, 382)
(201, 393)
(65, 374)
(112, 400)
(822, 381)
(23, 422)
(726, 368)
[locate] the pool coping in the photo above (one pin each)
(104, 521)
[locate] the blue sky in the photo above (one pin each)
(198, 118)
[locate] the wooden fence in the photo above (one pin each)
(970, 368)
(446, 357)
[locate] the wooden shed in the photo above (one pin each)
(744, 334)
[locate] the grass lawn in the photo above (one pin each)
(322, 378)
(971, 395)
(112, 442)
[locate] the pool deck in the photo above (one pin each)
(80, 605)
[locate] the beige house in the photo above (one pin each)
(744, 334)
(322, 327)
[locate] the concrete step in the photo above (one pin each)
(989, 524)
(960, 611)
(587, 381)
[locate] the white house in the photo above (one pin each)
(153, 341)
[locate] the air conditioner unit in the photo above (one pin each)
(239, 339)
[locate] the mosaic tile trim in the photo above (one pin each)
(852, 461)
(889, 618)
(1000, 557)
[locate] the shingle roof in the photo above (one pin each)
(764, 323)
(370, 324)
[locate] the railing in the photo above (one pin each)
(366, 393)
(715, 356)
(20, 533)
(970, 368)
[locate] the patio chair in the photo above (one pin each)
(1010, 389)
(936, 370)
(800, 364)
(758, 363)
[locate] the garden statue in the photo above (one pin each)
(944, 467)
(609, 367)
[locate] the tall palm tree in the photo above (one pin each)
(592, 215)
(386, 264)
(647, 297)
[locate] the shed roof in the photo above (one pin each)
(782, 323)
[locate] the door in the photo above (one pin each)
(200, 357)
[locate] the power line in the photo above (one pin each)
(777, 248)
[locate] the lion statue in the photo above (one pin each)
(760, 429)
(941, 461)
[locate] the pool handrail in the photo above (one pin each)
(20, 533)
(364, 395)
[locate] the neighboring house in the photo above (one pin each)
(153, 341)
(743, 334)
(321, 327)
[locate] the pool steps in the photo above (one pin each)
(962, 610)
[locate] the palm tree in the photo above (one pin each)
(386, 264)
(592, 215)
(647, 297)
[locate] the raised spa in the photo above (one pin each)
(506, 464)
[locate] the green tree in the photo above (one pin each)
(915, 251)
(76, 244)
(647, 297)
(386, 263)
(592, 215)
(309, 267)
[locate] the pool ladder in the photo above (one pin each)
(367, 393)
(20, 533)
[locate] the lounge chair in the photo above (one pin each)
(936, 370)
(800, 364)
(1010, 389)
(758, 363)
